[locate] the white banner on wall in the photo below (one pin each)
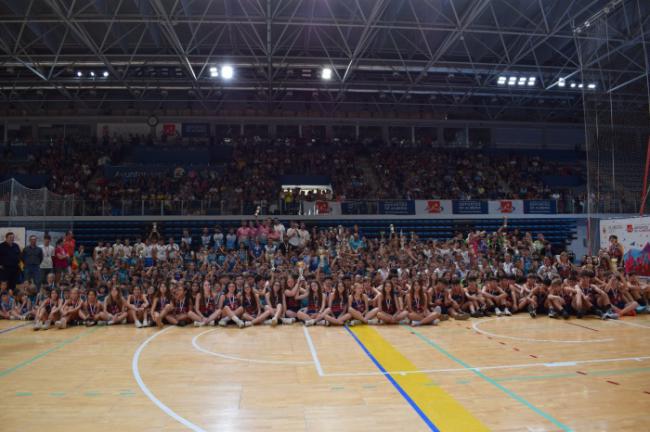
(433, 207)
(634, 235)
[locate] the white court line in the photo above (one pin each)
(229, 357)
(314, 355)
(484, 368)
(629, 323)
(475, 326)
(149, 394)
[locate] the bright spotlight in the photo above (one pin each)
(561, 82)
(591, 86)
(92, 74)
(326, 73)
(573, 85)
(501, 80)
(80, 74)
(214, 72)
(227, 72)
(522, 81)
(105, 74)
(531, 81)
(580, 85)
(512, 81)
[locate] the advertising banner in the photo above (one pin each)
(470, 207)
(634, 235)
(397, 207)
(540, 207)
(506, 207)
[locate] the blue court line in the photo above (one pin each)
(7, 330)
(394, 383)
(509, 392)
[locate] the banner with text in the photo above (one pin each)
(469, 207)
(506, 207)
(634, 235)
(433, 207)
(540, 207)
(397, 207)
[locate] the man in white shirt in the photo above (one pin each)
(48, 252)
(139, 248)
(293, 235)
(161, 250)
(172, 249)
(303, 232)
(279, 228)
(128, 249)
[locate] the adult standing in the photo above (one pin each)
(69, 244)
(9, 261)
(47, 265)
(33, 257)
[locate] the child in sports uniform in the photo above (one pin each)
(70, 312)
(7, 305)
(230, 305)
(292, 291)
(475, 303)
(619, 296)
(360, 307)
(495, 297)
(276, 303)
(181, 306)
(391, 308)
(162, 304)
(455, 300)
(316, 303)
(23, 309)
(92, 311)
(48, 312)
(417, 305)
(138, 308)
(115, 307)
(252, 314)
(205, 307)
(337, 312)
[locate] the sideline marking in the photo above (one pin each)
(618, 321)
(148, 393)
(46, 352)
(314, 354)
(507, 391)
(230, 357)
(7, 330)
(580, 325)
(438, 409)
(475, 326)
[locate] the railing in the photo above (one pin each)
(69, 207)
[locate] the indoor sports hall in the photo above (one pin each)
(324, 215)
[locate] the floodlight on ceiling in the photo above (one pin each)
(80, 74)
(580, 85)
(105, 74)
(214, 72)
(326, 74)
(591, 86)
(512, 81)
(522, 81)
(573, 85)
(227, 72)
(502, 80)
(531, 81)
(561, 82)
(92, 74)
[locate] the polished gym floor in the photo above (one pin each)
(501, 374)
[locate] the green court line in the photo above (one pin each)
(625, 371)
(57, 394)
(46, 352)
(23, 393)
(92, 393)
(509, 392)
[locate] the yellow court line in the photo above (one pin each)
(431, 402)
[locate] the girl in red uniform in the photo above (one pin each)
(181, 306)
(138, 308)
(292, 304)
(92, 311)
(162, 304)
(71, 310)
(50, 310)
(360, 307)
(276, 303)
(418, 307)
(115, 307)
(313, 313)
(337, 311)
(391, 309)
(252, 314)
(230, 305)
(205, 307)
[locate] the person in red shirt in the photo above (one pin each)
(69, 244)
(60, 259)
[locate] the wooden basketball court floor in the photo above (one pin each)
(505, 374)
